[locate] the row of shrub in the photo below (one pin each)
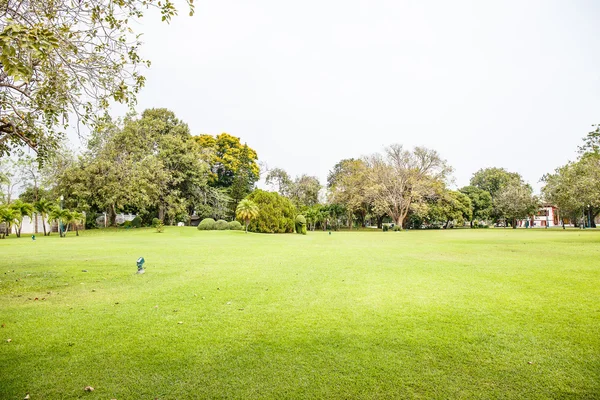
(209, 224)
(395, 228)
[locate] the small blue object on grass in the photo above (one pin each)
(140, 265)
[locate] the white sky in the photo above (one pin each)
(511, 84)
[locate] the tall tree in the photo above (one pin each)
(67, 58)
(280, 181)
(492, 180)
(43, 207)
(481, 203)
(225, 158)
(402, 176)
(516, 201)
(348, 185)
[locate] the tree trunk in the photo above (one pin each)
(161, 212)
(112, 215)
(44, 224)
(514, 223)
(380, 222)
(471, 224)
(76, 229)
(399, 221)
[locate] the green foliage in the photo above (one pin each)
(492, 180)
(207, 224)
(247, 210)
(228, 158)
(136, 222)
(64, 57)
(160, 227)
(90, 220)
(516, 201)
(221, 225)
(397, 228)
(127, 224)
(386, 227)
(481, 202)
(300, 224)
(155, 222)
(276, 213)
(235, 226)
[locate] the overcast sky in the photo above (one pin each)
(511, 84)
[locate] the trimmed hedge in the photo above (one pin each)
(301, 224)
(207, 224)
(235, 226)
(221, 225)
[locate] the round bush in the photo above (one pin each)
(385, 228)
(136, 222)
(207, 224)
(300, 219)
(155, 222)
(235, 226)
(127, 224)
(221, 225)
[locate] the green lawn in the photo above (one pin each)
(486, 314)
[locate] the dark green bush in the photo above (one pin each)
(207, 224)
(396, 228)
(235, 226)
(127, 224)
(160, 227)
(221, 225)
(276, 213)
(385, 228)
(136, 222)
(90, 220)
(155, 222)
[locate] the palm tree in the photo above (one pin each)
(7, 216)
(246, 211)
(76, 219)
(43, 207)
(22, 210)
(61, 217)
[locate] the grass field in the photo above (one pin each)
(485, 314)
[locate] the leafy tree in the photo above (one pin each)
(226, 159)
(591, 143)
(21, 210)
(7, 217)
(575, 188)
(401, 177)
(492, 180)
(304, 191)
(280, 181)
(348, 185)
(481, 203)
(66, 58)
(276, 213)
(43, 207)
(245, 178)
(247, 210)
(516, 201)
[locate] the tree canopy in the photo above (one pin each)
(63, 63)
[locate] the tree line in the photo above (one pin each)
(151, 165)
